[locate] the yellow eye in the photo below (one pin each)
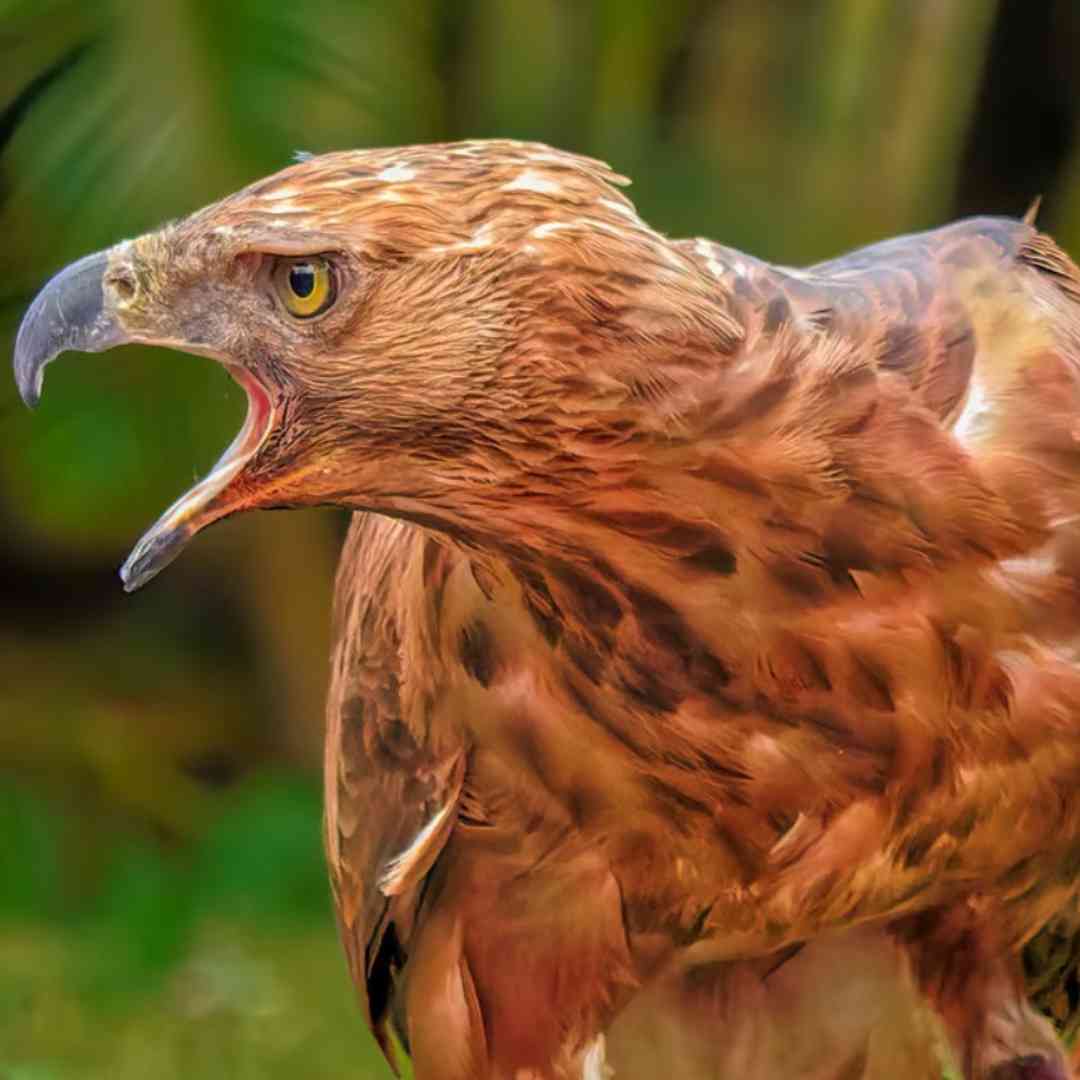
(306, 286)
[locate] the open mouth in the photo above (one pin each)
(211, 498)
(72, 312)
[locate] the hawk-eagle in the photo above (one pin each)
(705, 698)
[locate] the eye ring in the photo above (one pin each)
(305, 285)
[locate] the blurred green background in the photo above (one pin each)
(163, 907)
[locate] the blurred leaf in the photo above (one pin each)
(30, 874)
(637, 40)
(546, 97)
(141, 924)
(243, 1003)
(264, 858)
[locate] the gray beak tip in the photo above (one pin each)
(69, 313)
(132, 575)
(130, 584)
(153, 553)
(31, 356)
(31, 394)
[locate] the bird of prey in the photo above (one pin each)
(705, 698)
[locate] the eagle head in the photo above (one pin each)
(404, 322)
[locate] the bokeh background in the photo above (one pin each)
(163, 907)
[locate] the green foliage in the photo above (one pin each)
(243, 1002)
(263, 860)
(30, 873)
(218, 960)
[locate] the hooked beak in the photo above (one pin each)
(69, 313)
(77, 311)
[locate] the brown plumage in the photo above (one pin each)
(705, 692)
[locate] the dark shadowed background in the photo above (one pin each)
(163, 910)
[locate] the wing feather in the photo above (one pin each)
(393, 779)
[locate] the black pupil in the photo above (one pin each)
(302, 280)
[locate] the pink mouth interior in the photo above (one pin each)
(200, 505)
(256, 423)
(207, 500)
